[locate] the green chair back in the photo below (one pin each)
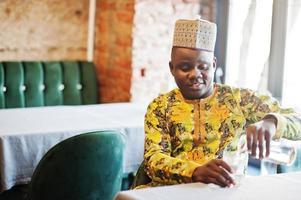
(83, 167)
(31, 84)
(141, 177)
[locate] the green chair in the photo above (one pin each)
(141, 177)
(83, 167)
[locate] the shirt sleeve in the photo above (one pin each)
(256, 107)
(161, 167)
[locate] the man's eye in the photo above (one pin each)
(184, 67)
(204, 67)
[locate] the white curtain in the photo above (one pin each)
(248, 57)
(292, 68)
(248, 43)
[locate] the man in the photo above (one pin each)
(188, 128)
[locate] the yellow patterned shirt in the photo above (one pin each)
(184, 134)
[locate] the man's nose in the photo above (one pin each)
(195, 73)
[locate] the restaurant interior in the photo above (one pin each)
(77, 76)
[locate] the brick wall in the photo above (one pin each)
(131, 45)
(43, 30)
(152, 39)
(208, 10)
(113, 48)
(133, 42)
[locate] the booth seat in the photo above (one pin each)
(32, 84)
(52, 83)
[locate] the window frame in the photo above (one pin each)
(277, 48)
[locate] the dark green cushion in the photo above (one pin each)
(141, 177)
(13, 81)
(53, 74)
(89, 83)
(34, 80)
(2, 103)
(72, 94)
(84, 167)
(30, 84)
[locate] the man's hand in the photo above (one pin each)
(215, 171)
(259, 132)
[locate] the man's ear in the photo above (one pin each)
(171, 68)
(214, 63)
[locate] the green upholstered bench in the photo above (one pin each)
(31, 84)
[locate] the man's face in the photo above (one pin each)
(193, 71)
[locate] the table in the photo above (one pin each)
(277, 187)
(26, 134)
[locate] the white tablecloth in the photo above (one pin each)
(27, 134)
(276, 187)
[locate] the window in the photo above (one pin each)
(263, 41)
(248, 43)
(292, 65)
(262, 50)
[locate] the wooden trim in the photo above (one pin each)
(91, 26)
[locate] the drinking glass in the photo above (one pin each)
(282, 152)
(236, 156)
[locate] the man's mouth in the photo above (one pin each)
(196, 85)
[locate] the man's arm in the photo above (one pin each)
(257, 107)
(267, 121)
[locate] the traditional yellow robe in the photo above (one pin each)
(184, 134)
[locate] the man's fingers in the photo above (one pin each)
(214, 180)
(259, 135)
(228, 177)
(212, 177)
(223, 181)
(260, 143)
(224, 170)
(267, 143)
(218, 172)
(219, 179)
(224, 165)
(254, 143)
(249, 137)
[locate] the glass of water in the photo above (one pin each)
(236, 156)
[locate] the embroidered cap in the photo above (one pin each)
(198, 34)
